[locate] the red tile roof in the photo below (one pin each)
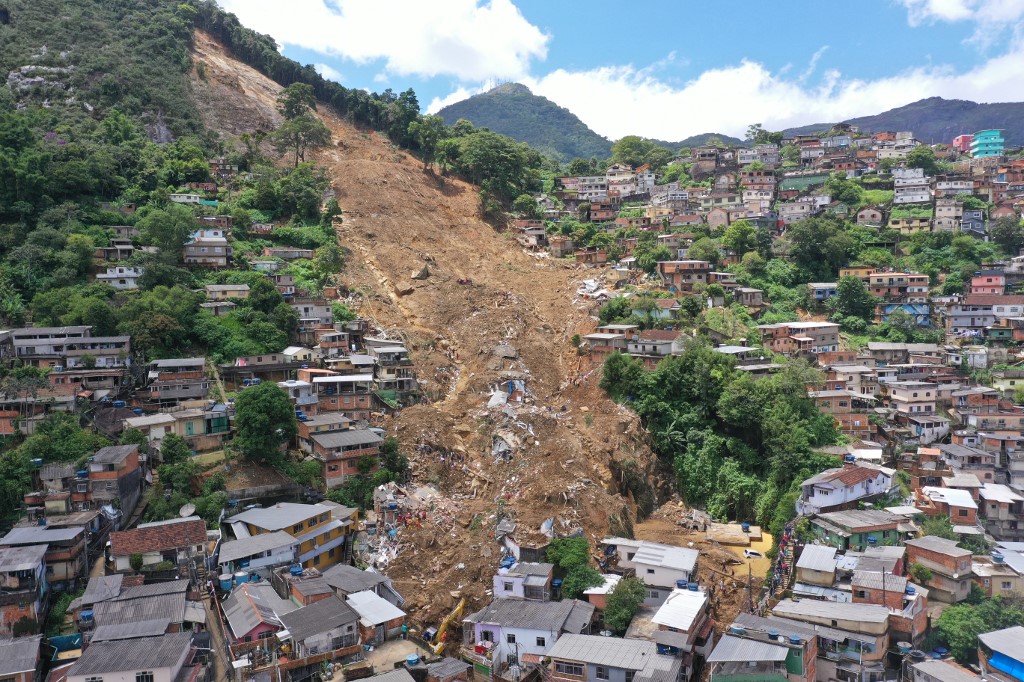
(172, 535)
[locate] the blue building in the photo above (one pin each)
(987, 143)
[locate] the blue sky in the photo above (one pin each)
(664, 69)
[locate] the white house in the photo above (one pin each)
(685, 622)
(510, 629)
(836, 488)
(265, 550)
(524, 580)
(659, 566)
(121, 278)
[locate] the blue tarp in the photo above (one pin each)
(1005, 664)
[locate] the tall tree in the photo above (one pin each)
(265, 420)
(168, 229)
(299, 134)
(298, 99)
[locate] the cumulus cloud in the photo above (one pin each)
(456, 95)
(622, 100)
(468, 39)
(328, 72)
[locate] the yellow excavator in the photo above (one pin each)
(437, 639)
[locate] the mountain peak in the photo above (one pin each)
(510, 89)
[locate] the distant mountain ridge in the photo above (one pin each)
(512, 109)
(935, 120)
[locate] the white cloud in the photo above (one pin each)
(468, 39)
(454, 96)
(623, 100)
(328, 72)
(978, 11)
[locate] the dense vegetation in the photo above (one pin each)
(738, 446)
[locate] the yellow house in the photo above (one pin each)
(224, 292)
(322, 536)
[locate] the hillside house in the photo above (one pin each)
(226, 292)
(857, 529)
(513, 631)
(659, 566)
(160, 658)
(524, 580)
(794, 337)
(844, 487)
(950, 567)
(321, 537)
(592, 658)
(208, 248)
(682, 275)
(341, 451)
(23, 586)
(121, 277)
(871, 215)
(180, 541)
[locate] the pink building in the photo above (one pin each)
(962, 143)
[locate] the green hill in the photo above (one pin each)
(936, 120)
(511, 109)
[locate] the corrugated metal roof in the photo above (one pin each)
(947, 672)
(27, 558)
(250, 604)
(817, 558)
(19, 655)
(281, 515)
(447, 667)
(399, 675)
(350, 579)
(531, 615)
(372, 609)
(873, 580)
(102, 588)
(628, 654)
(933, 543)
(1009, 641)
(142, 628)
(740, 649)
(868, 613)
(318, 617)
(256, 544)
(338, 439)
(132, 654)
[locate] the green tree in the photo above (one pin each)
(740, 237)
(624, 601)
(1008, 233)
(296, 100)
(568, 553)
(852, 299)
(168, 229)
(578, 579)
(922, 156)
(920, 573)
(427, 132)
(959, 625)
(300, 134)
(821, 246)
(265, 420)
(342, 312)
(526, 206)
(174, 449)
(705, 248)
(263, 296)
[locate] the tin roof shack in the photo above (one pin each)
(379, 619)
(166, 658)
(816, 566)
(19, 659)
(345, 580)
(949, 565)
(856, 529)
(659, 566)
(524, 580)
(907, 604)
(1001, 654)
(592, 658)
(942, 671)
(23, 586)
(116, 478)
(178, 541)
(145, 610)
(65, 550)
(327, 625)
(448, 670)
(743, 659)
(514, 628)
(177, 379)
(254, 612)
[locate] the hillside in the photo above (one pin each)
(511, 109)
(399, 218)
(936, 120)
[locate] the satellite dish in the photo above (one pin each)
(187, 510)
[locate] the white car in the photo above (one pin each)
(752, 554)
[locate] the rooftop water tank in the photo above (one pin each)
(241, 577)
(904, 647)
(997, 558)
(917, 655)
(737, 629)
(225, 581)
(794, 639)
(911, 590)
(85, 616)
(693, 587)
(773, 635)
(745, 527)
(681, 584)
(295, 569)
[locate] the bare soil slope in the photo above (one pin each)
(514, 321)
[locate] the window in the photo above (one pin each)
(862, 594)
(652, 594)
(144, 676)
(962, 512)
(601, 673)
(310, 523)
(507, 586)
(650, 571)
(297, 528)
(91, 679)
(266, 635)
(541, 642)
(571, 669)
(629, 675)
(510, 638)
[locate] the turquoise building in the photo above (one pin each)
(987, 143)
